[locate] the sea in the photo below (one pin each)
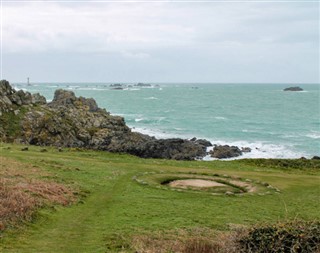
(272, 122)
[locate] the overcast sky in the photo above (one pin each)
(160, 41)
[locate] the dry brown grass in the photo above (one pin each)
(23, 190)
(183, 241)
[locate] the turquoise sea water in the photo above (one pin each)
(272, 122)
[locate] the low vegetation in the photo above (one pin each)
(127, 209)
(24, 189)
(282, 237)
(303, 164)
(293, 236)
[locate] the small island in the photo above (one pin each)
(295, 88)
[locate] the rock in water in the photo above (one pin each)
(225, 151)
(295, 88)
(245, 150)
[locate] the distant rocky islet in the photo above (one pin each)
(293, 88)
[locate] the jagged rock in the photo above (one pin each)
(5, 88)
(90, 103)
(63, 98)
(16, 99)
(5, 101)
(177, 149)
(21, 98)
(202, 142)
(67, 99)
(225, 151)
(38, 99)
(245, 149)
(5, 92)
(295, 88)
(10, 98)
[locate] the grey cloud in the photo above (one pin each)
(231, 42)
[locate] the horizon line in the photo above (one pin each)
(152, 82)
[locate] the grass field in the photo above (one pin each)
(113, 207)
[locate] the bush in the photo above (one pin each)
(290, 237)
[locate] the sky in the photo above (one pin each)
(160, 41)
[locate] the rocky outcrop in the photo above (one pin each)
(10, 99)
(202, 142)
(67, 99)
(295, 88)
(70, 121)
(245, 150)
(38, 99)
(225, 151)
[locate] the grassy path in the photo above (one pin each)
(79, 228)
(116, 206)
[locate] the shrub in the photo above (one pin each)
(289, 237)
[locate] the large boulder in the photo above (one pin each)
(38, 99)
(177, 149)
(63, 98)
(67, 99)
(5, 88)
(202, 142)
(225, 151)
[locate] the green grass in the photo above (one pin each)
(116, 206)
(11, 122)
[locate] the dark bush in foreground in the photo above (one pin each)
(291, 237)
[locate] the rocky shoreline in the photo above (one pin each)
(78, 122)
(70, 121)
